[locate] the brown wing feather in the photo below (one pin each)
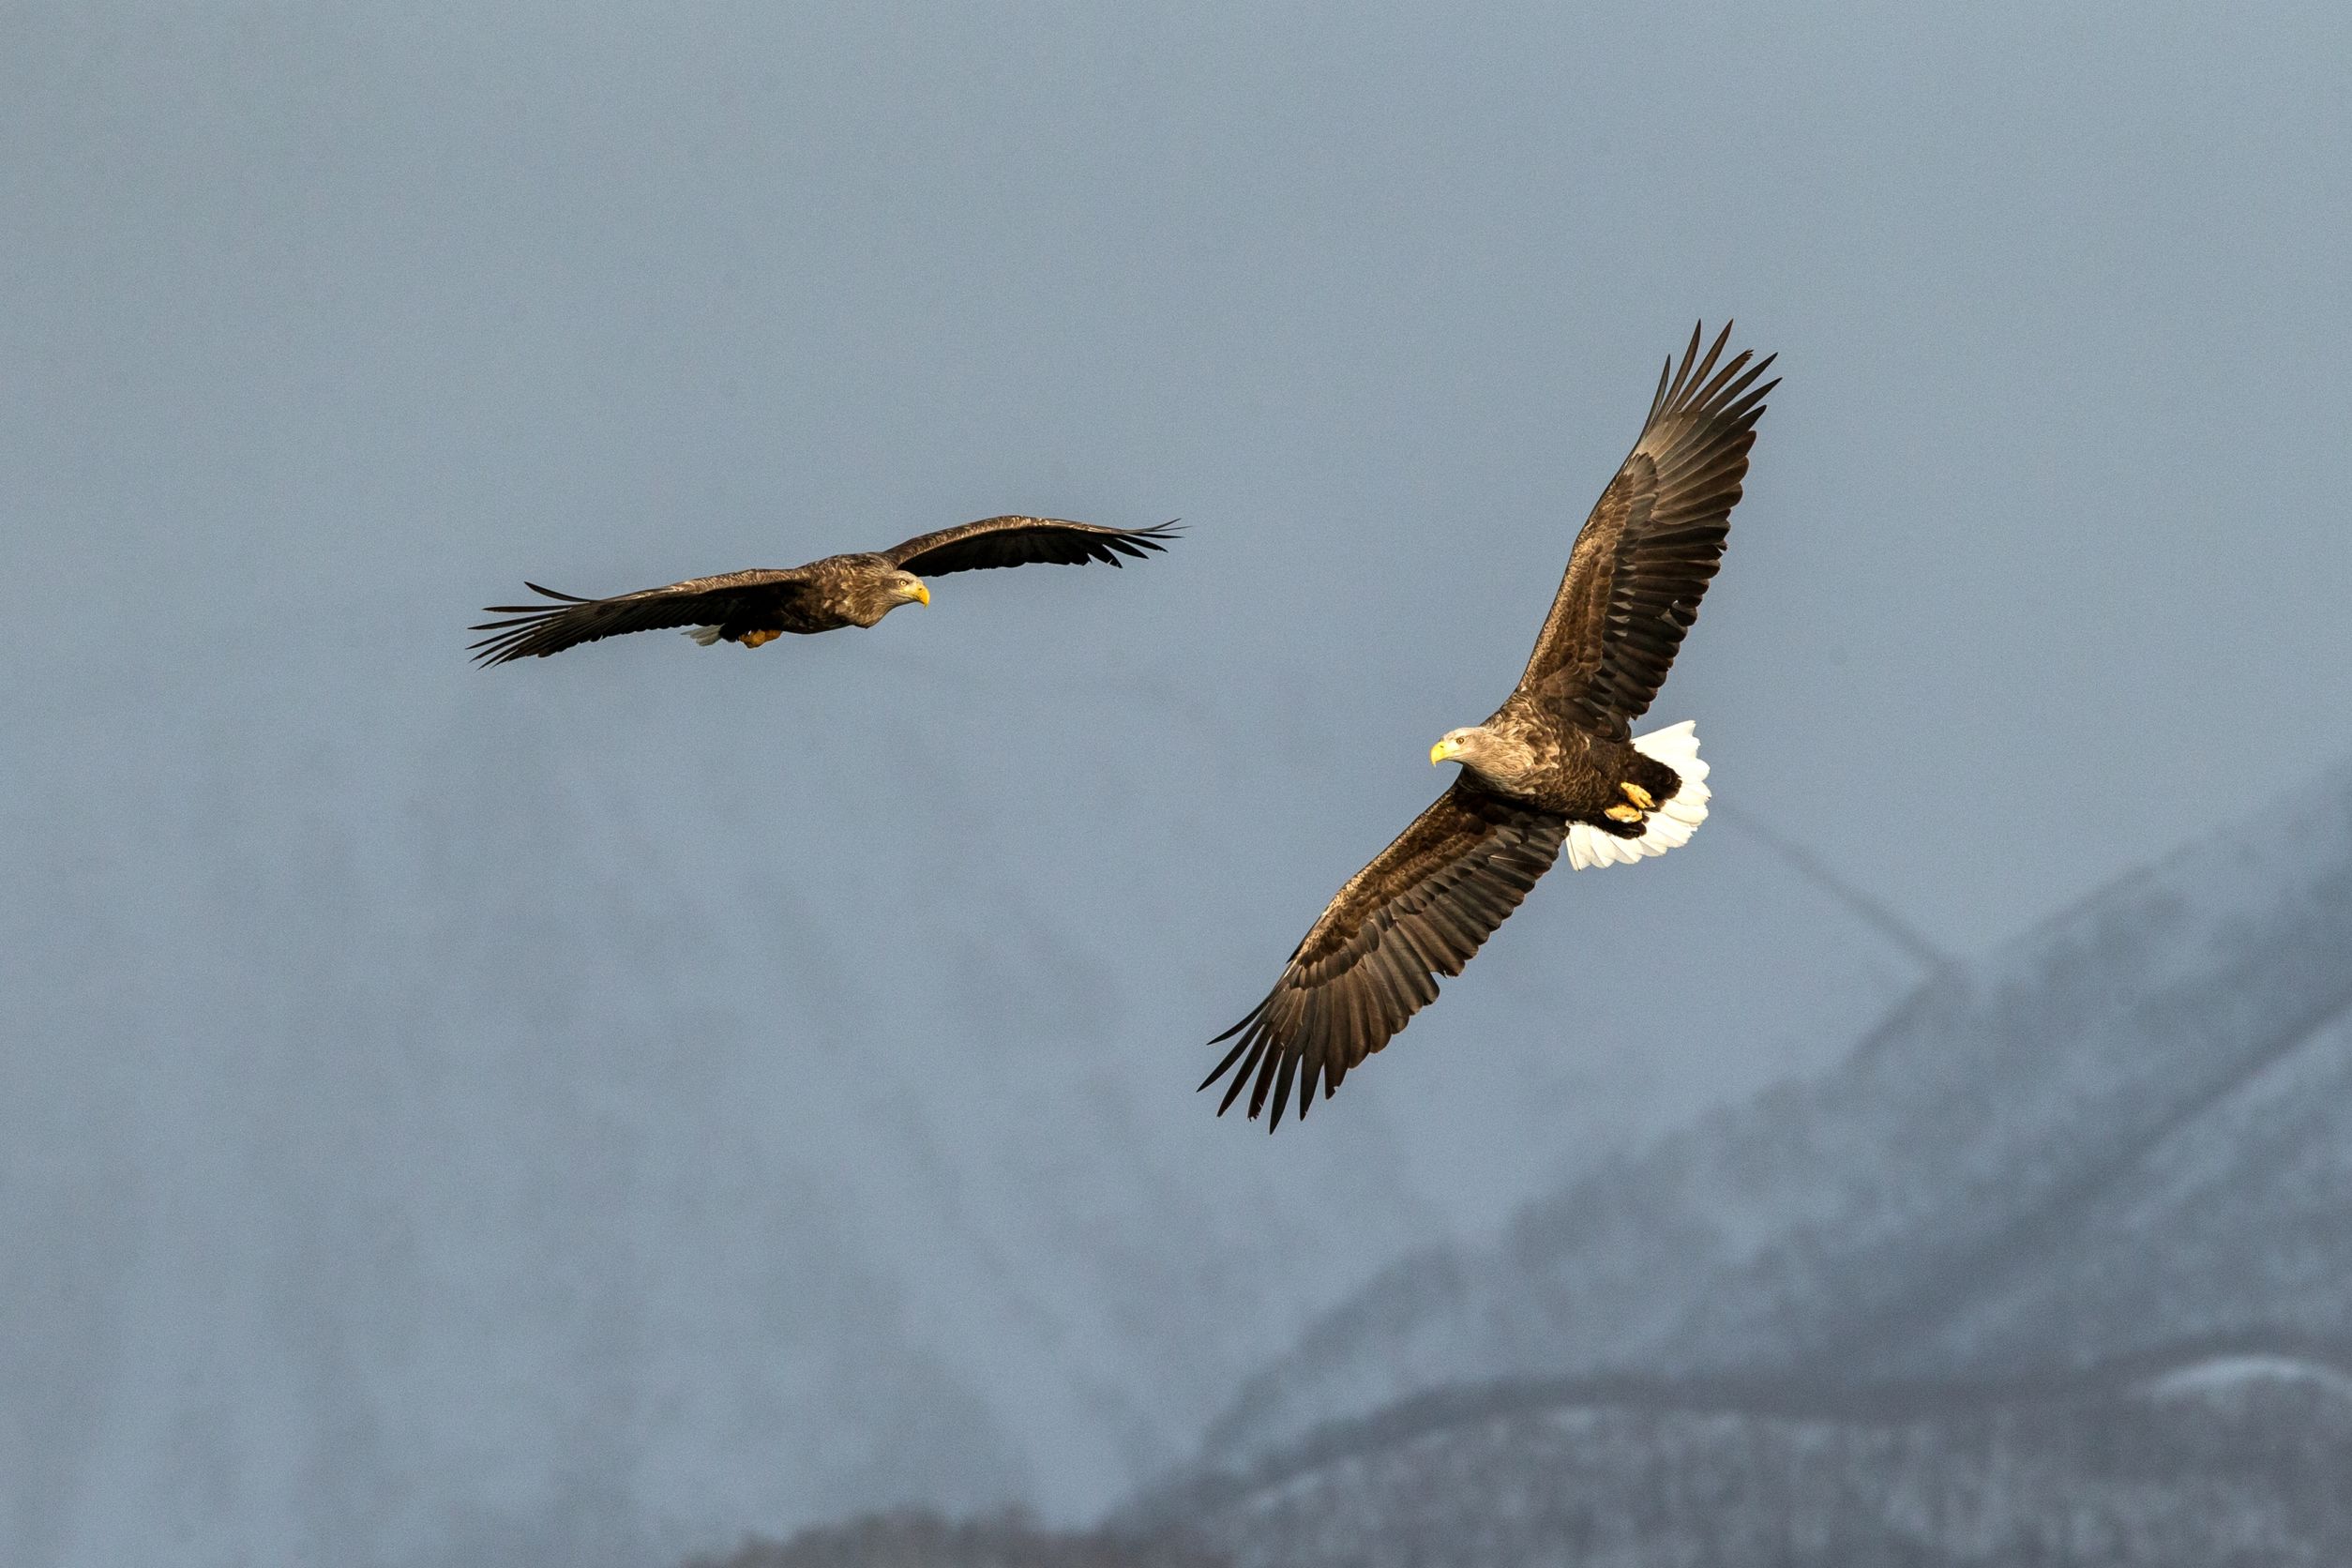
(1645, 556)
(535, 631)
(1019, 541)
(1420, 910)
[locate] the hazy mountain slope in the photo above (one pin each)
(2207, 1470)
(2082, 1079)
(598, 1111)
(2234, 1221)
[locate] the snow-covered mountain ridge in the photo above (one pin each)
(2234, 1471)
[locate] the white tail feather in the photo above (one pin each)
(705, 634)
(1671, 824)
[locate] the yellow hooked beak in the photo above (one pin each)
(1443, 749)
(922, 594)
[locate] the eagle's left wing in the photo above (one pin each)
(1652, 545)
(1017, 541)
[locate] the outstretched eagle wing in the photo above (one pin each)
(1418, 911)
(1653, 541)
(1017, 541)
(734, 602)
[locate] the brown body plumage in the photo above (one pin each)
(1557, 764)
(1537, 757)
(755, 607)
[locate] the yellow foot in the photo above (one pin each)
(1639, 796)
(1623, 813)
(754, 639)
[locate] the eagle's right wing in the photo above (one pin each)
(735, 603)
(1418, 911)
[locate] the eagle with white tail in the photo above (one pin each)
(1557, 765)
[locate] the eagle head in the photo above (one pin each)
(1460, 746)
(1500, 758)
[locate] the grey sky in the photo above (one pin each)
(324, 324)
(2038, 531)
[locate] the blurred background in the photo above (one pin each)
(594, 1112)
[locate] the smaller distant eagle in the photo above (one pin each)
(755, 607)
(1557, 766)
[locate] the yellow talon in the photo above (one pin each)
(754, 639)
(1639, 796)
(1623, 813)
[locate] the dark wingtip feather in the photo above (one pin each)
(1282, 1087)
(1271, 1057)
(1241, 1078)
(1140, 541)
(1229, 1057)
(500, 650)
(1690, 357)
(1136, 541)
(1247, 1018)
(1657, 399)
(1749, 408)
